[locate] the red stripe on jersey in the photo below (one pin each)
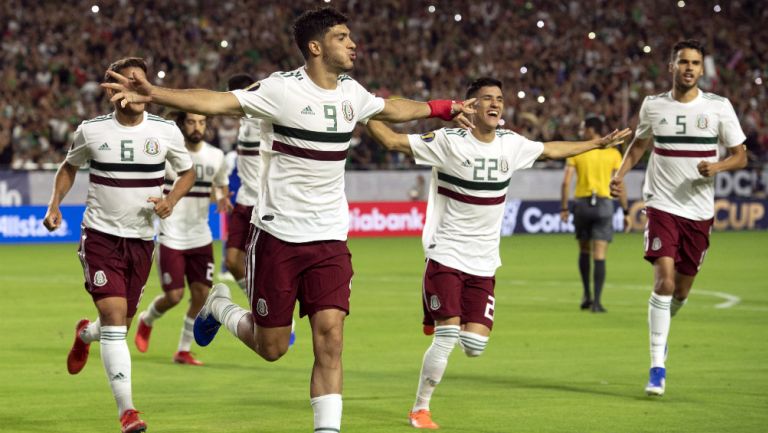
(483, 201)
(247, 152)
(318, 155)
(126, 183)
(685, 153)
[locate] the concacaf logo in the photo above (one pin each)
(702, 121)
(428, 137)
(348, 111)
(152, 146)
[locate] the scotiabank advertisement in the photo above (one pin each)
(386, 218)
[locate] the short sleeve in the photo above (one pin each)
(524, 152)
(368, 104)
(221, 178)
(431, 148)
(644, 129)
(79, 152)
(177, 154)
(264, 100)
(730, 131)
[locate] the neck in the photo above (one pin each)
(128, 119)
(684, 95)
(193, 147)
(484, 133)
(320, 75)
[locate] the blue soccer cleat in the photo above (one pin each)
(292, 339)
(656, 381)
(206, 326)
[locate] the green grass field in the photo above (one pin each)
(549, 367)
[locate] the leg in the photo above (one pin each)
(586, 299)
(599, 248)
(198, 294)
(683, 284)
(327, 378)
(170, 265)
(473, 338)
(235, 260)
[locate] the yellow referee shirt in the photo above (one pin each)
(594, 170)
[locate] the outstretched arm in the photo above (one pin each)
(564, 149)
(404, 110)
(65, 178)
(388, 138)
(633, 155)
(138, 89)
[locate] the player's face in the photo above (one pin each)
(687, 68)
(338, 49)
(489, 106)
(133, 108)
(193, 128)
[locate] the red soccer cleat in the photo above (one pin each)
(185, 358)
(428, 329)
(142, 336)
(78, 354)
(422, 419)
(131, 423)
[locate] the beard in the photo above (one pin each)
(194, 137)
(337, 64)
(682, 86)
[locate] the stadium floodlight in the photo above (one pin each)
(540, 24)
(523, 70)
(431, 9)
(646, 49)
(521, 94)
(541, 99)
(95, 9)
(457, 17)
(224, 43)
(161, 74)
(591, 35)
(759, 81)
(681, 4)
(718, 9)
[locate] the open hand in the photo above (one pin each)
(129, 90)
(614, 138)
(463, 110)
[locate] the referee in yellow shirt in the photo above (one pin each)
(592, 208)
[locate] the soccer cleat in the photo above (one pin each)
(292, 339)
(422, 419)
(656, 381)
(206, 326)
(131, 423)
(142, 335)
(586, 303)
(185, 358)
(428, 329)
(597, 308)
(78, 354)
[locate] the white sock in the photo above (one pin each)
(243, 283)
(185, 341)
(472, 344)
(676, 306)
(228, 313)
(92, 332)
(658, 326)
(117, 364)
(151, 314)
(327, 410)
(434, 363)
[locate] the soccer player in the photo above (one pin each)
(593, 208)
(471, 171)
(297, 248)
(127, 150)
(683, 127)
(186, 242)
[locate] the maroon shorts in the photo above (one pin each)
(115, 266)
(317, 274)
(685, 240)
(195, 263)
(238, 226)
(448, 292)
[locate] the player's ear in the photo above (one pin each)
(315, 48)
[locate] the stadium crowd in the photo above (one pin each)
(558, 60)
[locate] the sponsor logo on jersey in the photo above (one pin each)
(99, 279)
(428, 137)
(434, 303)
(104, 146)
(348, 111)
(152, 146)
(308, 110)
(261, 307)
(467, 163)
(504, 165)
(663, 122)
(656, 245)
(702, 121)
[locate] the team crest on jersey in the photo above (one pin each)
(152, 146)
(261, 307)
(167, 278)
(434, 303)
(99, 279)
(428, 137)
(348, 111)
(656, 245)
(504, 165)
(702, 121)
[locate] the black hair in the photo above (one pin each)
(474, 86)
(313, 25)
(239, 81)
(693, 44)
(595, 123)
(128, 62)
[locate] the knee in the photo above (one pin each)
(174, 296)
(472, 344)
(665, 286)
(272, 352)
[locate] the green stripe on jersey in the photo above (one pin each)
(249, 144)
(684, 139)
(99, 119)
(304, 134)
(468, 184)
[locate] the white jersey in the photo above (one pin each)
(248, 161)
(308, 130)
(127, 167)
(469, 186)
(685, 134)
(187, 227)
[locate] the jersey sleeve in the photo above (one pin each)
(730, 131)
(368, 104)
(525, 152)
(221, 178)
(431, 148)
(644, 129)
(264, 100)
(177, 154)
(79, 152)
